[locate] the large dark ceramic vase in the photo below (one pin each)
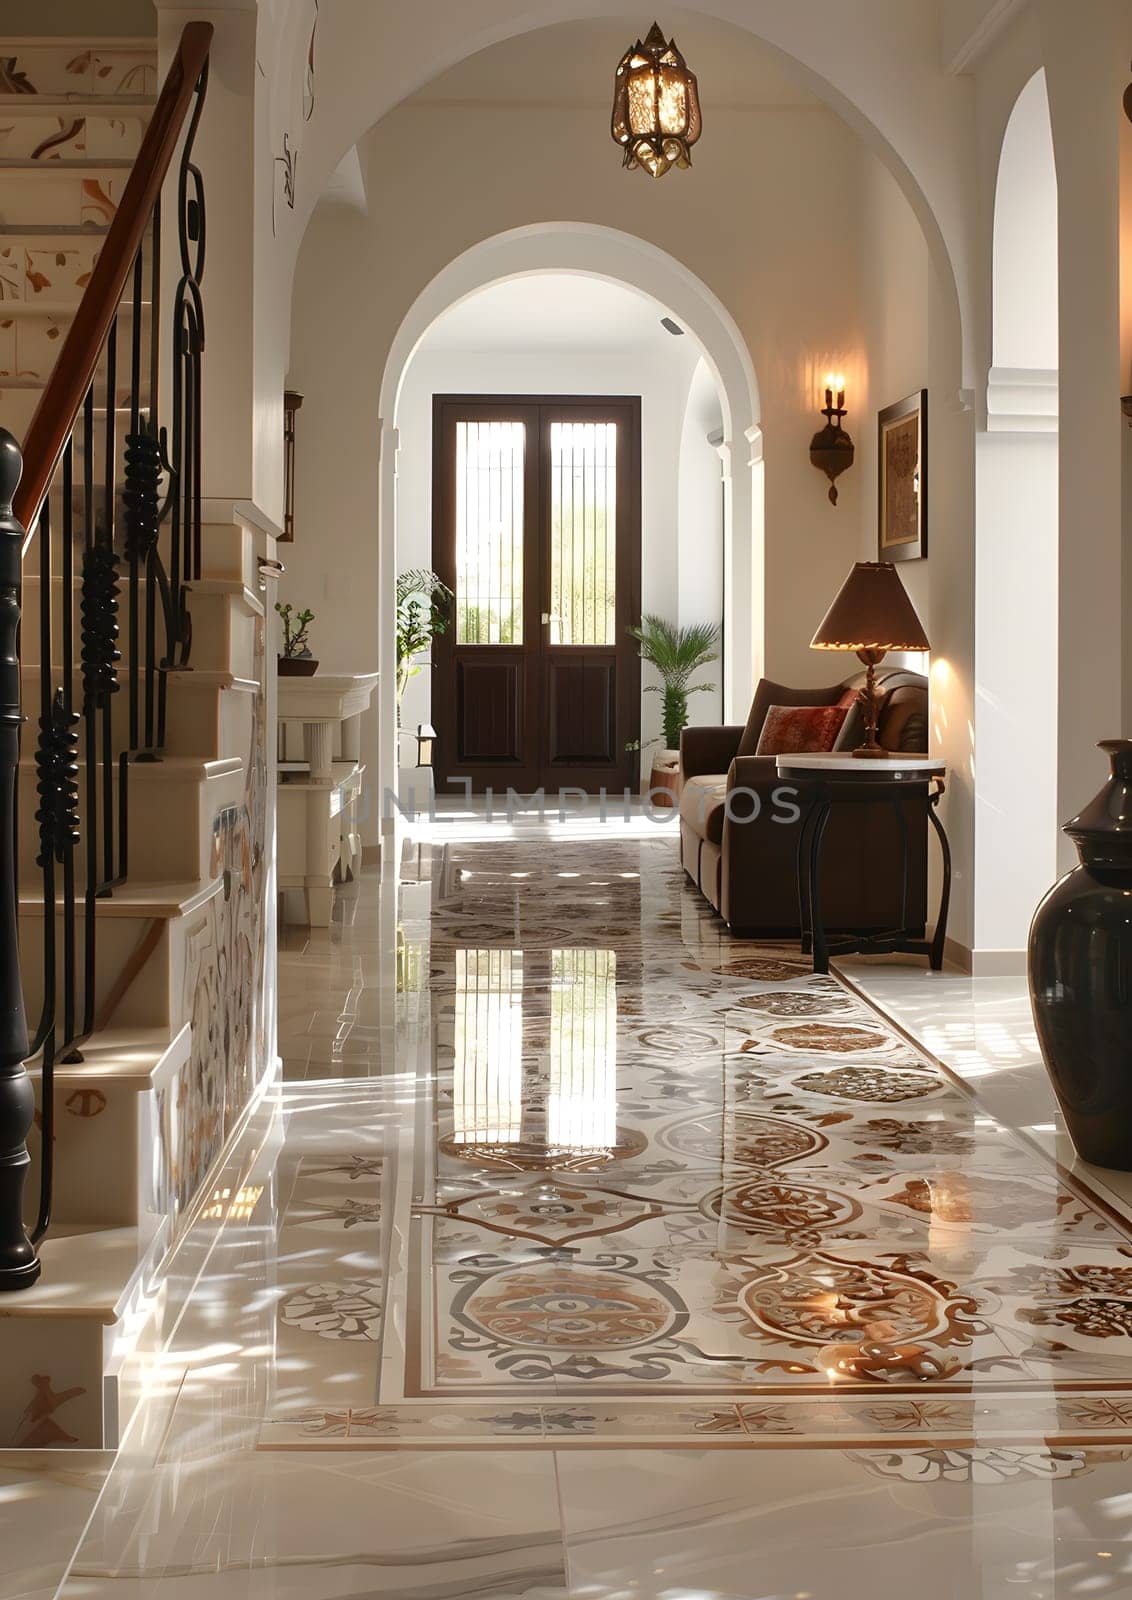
(1081, 973)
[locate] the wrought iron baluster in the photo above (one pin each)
(100, 657)
(106, 541)
(67, 658)
(90, 751)
(19, 1264)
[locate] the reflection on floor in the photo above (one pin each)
(595, 1253)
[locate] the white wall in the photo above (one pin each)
(909, 345)
(662, 380)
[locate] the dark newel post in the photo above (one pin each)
(19, 1264)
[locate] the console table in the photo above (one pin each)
(318, 797)
(826, 781)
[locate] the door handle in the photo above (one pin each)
(550, 616)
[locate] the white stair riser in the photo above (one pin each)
(30, 342)
(228, 551)
(154, 998)
(40, 271)
(17, 407)
(60, 196)
(223, 625)
(224, 630)
(70, 1352)
(71, 71)
(170, 823)
(210, 723)
(203, 719)
(98, 1161)
(31, 134)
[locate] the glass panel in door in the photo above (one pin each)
(489, 532)
(583, 533)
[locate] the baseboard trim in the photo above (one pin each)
(985, 963)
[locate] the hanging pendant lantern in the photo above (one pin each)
(656, 106)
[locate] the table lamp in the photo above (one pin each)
(872, 615)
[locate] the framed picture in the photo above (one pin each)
(902, 534)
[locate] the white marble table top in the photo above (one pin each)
(846, 764)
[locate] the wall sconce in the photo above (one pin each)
(831, 449)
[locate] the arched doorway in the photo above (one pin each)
(640, 269)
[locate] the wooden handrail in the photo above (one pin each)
(62, 399)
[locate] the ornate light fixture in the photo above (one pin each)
(656, 106)
(831, 449)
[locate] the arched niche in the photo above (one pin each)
(1022, 388)
(1016, 608)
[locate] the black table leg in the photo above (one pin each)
(939, 939)
(805, 829)
(902, 821)
(823, 810)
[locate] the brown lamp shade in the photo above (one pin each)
(872, 612)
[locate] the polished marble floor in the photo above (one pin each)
(589, 1252)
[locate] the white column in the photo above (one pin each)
(386, 775)
(1086, 70)
(1016, 678)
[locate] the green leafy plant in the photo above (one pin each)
(424, 610)
(296, 628)
(676, 653)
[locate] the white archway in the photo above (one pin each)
(1017, 548)
(622, 258)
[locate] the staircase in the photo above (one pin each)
(141, 785)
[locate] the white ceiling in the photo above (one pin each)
(554, 311)
(573, 64)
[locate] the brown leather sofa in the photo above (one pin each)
(742, 854)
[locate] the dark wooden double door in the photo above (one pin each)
(537, 530)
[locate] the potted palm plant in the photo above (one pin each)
(676, 653)
(424, 609)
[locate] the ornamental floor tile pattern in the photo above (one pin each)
(648, 1182)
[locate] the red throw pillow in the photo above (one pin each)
(794, 730)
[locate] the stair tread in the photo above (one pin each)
(212, 678)
(49, 230)
(59, 308)
(91, 104)
(127, 1056)
(169, 769)
(95, 164)
(138, 897)
(86, 1272)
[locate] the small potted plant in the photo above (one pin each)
(296, 660)
(676, 653)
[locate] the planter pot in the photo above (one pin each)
(664, 781)
(297, 666)
(1080, 969)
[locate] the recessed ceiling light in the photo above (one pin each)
(673, 327)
